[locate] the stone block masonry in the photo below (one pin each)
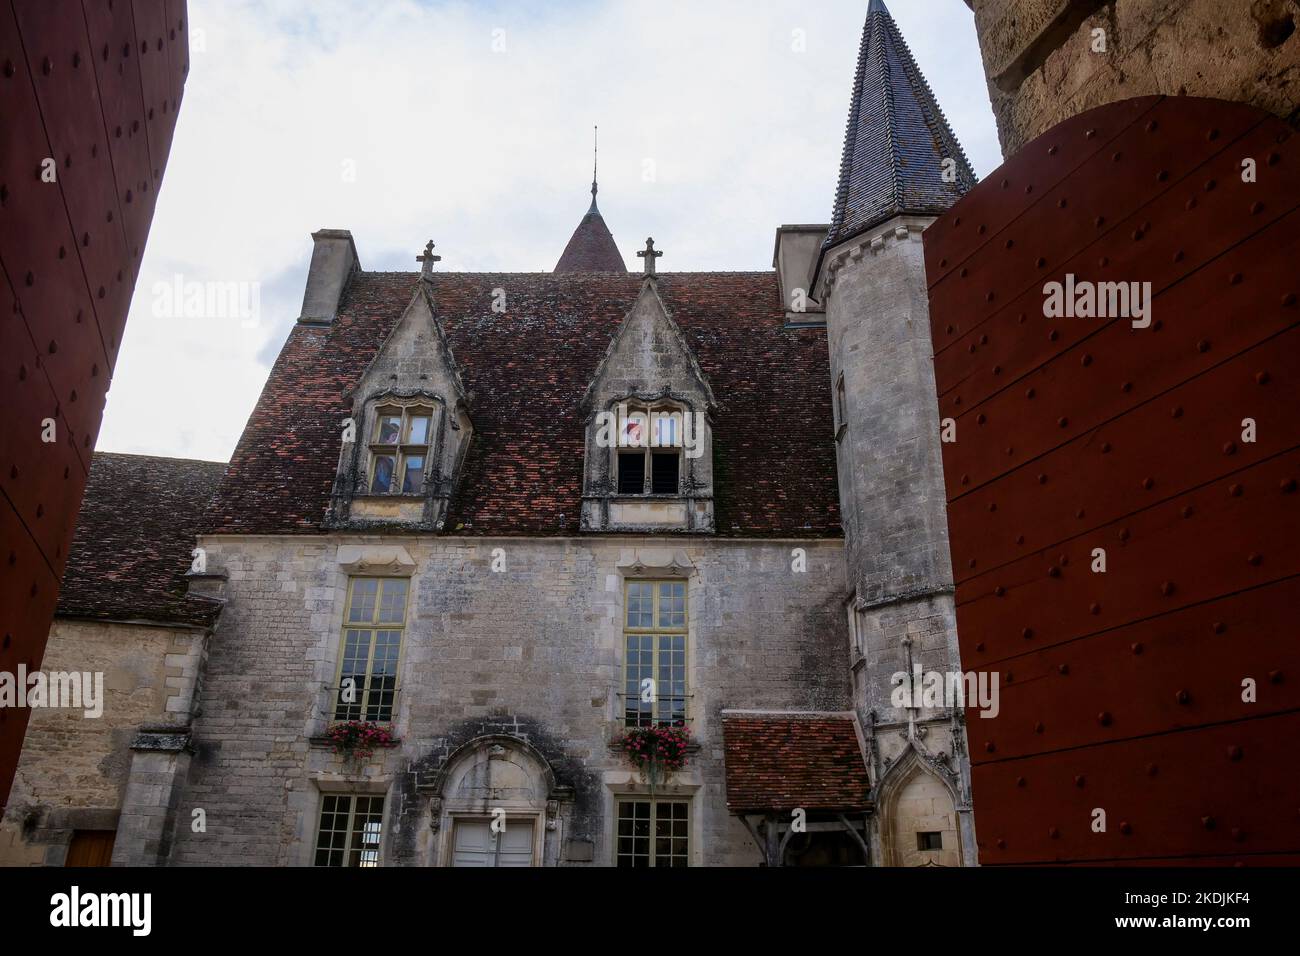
(533, 652)
(76, 771)
(1044, 63)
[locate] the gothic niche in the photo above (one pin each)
(649, 445)
(408, 432)
(919, 825)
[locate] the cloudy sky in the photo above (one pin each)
(470, 123)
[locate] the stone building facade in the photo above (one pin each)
(97, 786)
(538, 674)
(513, 520)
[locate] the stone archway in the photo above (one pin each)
(493, 806)
(918, 817)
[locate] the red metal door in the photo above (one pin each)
(1171, 451)
(88, 100)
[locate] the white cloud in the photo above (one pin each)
(488, 153)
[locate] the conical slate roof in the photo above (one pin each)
(896, 139)
(591, 248)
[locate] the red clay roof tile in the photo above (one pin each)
(777, 762)
(525, 372)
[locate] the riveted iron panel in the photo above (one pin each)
(77, 186)
(88, 257)
(1214, 792)
(1089, 480)
(28, 593)
(117, 60)
(41, 480)
(1176, 671)
(995, 357)
(1042, 164)
(1122, 490)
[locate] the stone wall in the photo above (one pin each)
(893, 499)
(890, 468)
(1042, 69)
(74, 769)
(532, 652)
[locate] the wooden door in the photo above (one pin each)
(474, 844)
(90, 848)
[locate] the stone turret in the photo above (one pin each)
(901, 168)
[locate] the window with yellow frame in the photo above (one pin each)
(373, 622)
(654, 653)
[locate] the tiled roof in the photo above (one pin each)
(134, 537)
(525, 372)
(780, 761)
(896, 138)
(591, 248)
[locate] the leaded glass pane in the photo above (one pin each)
(381, 482)
(412, 474)
(419, 431)
(388, 430)
(393, 605)
(364, 591)
(640, 609)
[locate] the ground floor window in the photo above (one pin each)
(653, 833)
(350, 830)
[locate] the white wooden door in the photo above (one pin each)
(474, 843)
(515, 845)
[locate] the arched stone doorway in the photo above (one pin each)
(492, 805)
(918, 821)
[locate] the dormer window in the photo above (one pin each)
(408, 432)
(649, 416)
(650, 452)
(399, 449)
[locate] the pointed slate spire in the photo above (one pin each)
(896, 139)
(591, 248)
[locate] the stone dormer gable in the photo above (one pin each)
(648, 416)
(408, 431)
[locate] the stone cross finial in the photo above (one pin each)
(427, 260)
(649, 255)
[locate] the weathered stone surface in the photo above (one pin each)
(533, 653)
(1041, 67)
(893, 501)
(74, 769)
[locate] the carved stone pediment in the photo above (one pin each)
(375, 559)
(655, 562)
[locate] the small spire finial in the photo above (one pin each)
(649, 254)
(595, 155)
(428, 259)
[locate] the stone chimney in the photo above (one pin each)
(333, 260)
(793, 256)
